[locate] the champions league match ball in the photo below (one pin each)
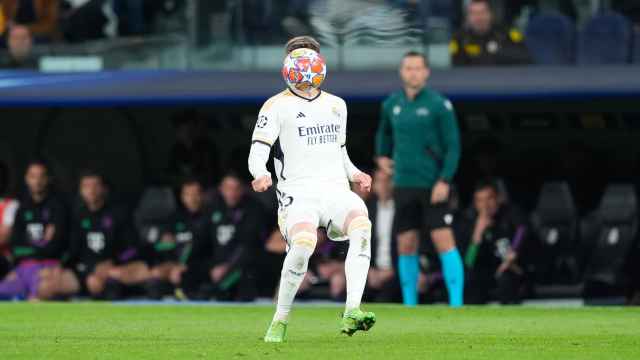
(304, 69)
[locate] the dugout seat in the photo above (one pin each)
(555, 225)
(605, 39)
(155, 206)
(550, 38)
(610, 241)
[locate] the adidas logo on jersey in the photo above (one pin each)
(300, 115)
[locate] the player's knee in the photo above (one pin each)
(443, 239)
(304, 237)
(408, 242)
(95, 285)
(359, 233)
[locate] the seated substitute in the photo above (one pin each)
(495, 234)
(236, 232)
(178, 255)
(38, 239)
(381, 282)
(483, 42)
(104, 257)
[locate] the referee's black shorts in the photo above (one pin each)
(414, 211)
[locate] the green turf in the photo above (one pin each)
(106, 331)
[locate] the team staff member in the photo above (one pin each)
(103, 244)
(236, 227)
(179, 254)
(495, 234)
(481, 42)
(37, 240)
(418, 142)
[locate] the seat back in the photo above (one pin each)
(554, 223)
(615, 235)
(605, 39)
(550, 38)
(155, 206)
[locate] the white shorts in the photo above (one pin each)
(328, 209)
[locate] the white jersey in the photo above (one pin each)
(308, 136)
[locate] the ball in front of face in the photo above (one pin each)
(304, 69)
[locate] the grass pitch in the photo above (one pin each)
(115, 331)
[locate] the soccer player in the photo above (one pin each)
(37, 239)
(307, 129)
(418, 142)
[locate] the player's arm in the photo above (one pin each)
(384, 141)
(353, 173)
(448, 128)
(265, 133)
(55, 242)
(451, 139)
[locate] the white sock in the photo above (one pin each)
(356, 266)
(294, 269)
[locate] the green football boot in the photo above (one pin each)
(355, 320)
(277, 332)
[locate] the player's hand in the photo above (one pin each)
(385, 164)
(363, 180)
(262, 183)
(440, 192)
(218, 272)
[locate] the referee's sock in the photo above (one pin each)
(408, 271)
(453, 272)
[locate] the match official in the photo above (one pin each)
(418, 142)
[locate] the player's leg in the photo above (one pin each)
(56, 282)
(159, 282)
(299, 225)
(357, 227)
(439, 219)
(407, 224)
(350, 213)
(12, 286)
(302, 238)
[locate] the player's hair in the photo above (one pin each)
(414, 53)
(486, 183)
(91, 173)
(38, 162)
(231, 174)
(487, 3)
(299, 42)
(191, 180)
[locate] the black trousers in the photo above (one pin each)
(482, 287)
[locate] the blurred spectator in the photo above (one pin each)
(8, 208)
(88, 19)
(630, 9)
(20, 45)
(177, 258)
(40, 16)
(236, 229)
(327, 264)
(381, 280)
(495, 234)
(103, 245)
(37, 239)
(481, 41)
(193, 154)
